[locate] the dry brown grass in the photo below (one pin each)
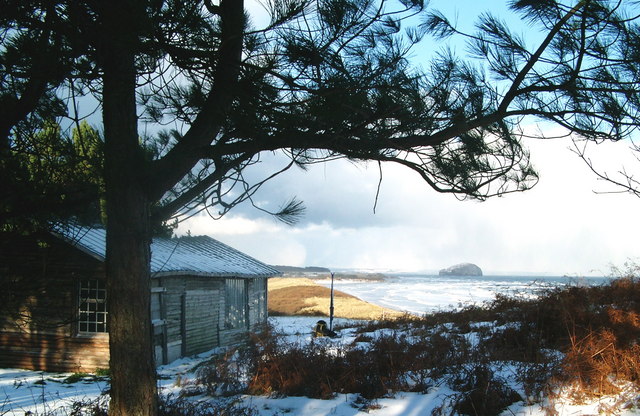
(596, 329)
(302, 296)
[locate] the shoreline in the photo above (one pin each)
(364, 277)
(303, 296)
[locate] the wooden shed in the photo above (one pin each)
(54, 316)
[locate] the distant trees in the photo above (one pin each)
(323, 80)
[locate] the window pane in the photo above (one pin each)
(92, 306)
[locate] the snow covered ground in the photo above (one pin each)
(24, 391)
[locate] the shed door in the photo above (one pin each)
(200, 321)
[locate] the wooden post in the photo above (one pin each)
(331, 305)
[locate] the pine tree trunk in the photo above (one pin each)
(133, 372)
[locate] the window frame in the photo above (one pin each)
(92, 310)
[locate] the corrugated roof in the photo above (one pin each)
(199, 255)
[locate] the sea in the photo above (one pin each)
(423, 293)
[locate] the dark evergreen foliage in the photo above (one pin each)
(209, 92)
(52, 177)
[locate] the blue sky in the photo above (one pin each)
(560, 227)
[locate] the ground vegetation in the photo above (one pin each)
(579, 339)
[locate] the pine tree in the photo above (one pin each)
(323, 80)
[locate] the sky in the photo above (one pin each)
(562, 226)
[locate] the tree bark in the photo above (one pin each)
(167, 171)
(133, 372)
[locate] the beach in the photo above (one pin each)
(301, 296)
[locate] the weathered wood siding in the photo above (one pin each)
(192, 319)
(39, 276)
(257, 303)
(196, 318)
(201, 317)
(255, 313)
(52, 352)
(172, 299)
(39, 304)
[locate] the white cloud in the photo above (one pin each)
(227, 225)
(561, 226)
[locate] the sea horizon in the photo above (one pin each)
(424, 293)
(487, 272)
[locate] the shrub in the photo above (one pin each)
(296, 370)
(391, 361)
(76, 377)
(170, 406)
(598, 363)
(86, 407)
(103, 372)
(167, 406)
(227, 374)
(482, 392)
(585, 337)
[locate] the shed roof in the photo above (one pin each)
(193, 255)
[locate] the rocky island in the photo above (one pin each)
(462, 269)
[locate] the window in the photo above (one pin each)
(92, 307)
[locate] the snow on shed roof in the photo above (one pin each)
(199, 255)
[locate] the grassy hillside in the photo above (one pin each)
(302, 296)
